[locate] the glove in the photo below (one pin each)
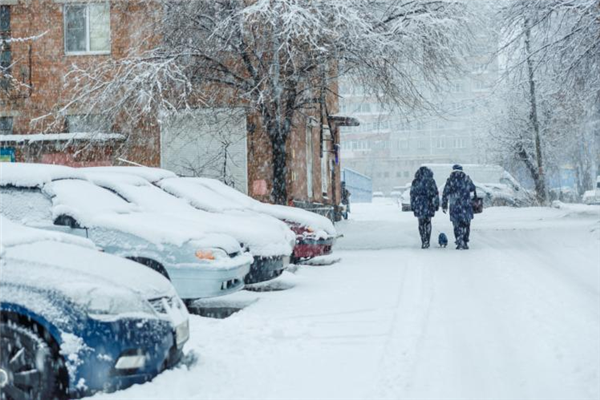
(444, 210)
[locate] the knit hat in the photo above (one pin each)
(457, 167)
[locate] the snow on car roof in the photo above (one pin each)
(264, 235)
(81, 199)
(205, 192)
(201, 196)
(93, 206)
(13, 234)
(148, 173)
(34, 175)
(69, 256)
(73, 260)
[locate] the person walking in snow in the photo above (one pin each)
(345, 200)
(424, 201)
(457, 194)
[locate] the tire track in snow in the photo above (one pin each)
(406, 331)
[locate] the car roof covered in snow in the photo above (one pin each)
(265, 235)
(69, 257)
(148, 173)
(35, 175)
(206, 192)
(13, 234)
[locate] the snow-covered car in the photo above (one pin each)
(494, 184)
(564, 195)
(199, 263)
(592, 197)
(405, 200)
(378, 195)
(75, 321)
(315, 234)
(269, 240)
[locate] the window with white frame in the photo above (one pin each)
(441, 143)
(87, 28)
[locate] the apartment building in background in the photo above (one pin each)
(390, 144)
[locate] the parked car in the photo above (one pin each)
(495, 185)
(75, 321)
(269, 240)
(378, 195)
(593, 196)
(405, 200)
(564, 195)
(199, 263)
(315, 234)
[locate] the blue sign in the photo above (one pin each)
(7, 154)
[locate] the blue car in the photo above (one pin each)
(74, 321)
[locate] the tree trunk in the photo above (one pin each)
(540, 177)
(278, 146)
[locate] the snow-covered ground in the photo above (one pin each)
(515, 317)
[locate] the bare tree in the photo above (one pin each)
(280, 59)
(552, 53)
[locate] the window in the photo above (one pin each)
(459, 143)
(441, 143)
(5, 50)
(88, 123)
(25, 205)
(406, 174)
(6, 125)
(87, 28)
(386, 174)
(398, 174)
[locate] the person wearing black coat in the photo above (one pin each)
(424, 201)
(457, 194)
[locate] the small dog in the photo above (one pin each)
(443, 240)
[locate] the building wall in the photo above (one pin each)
(40, 65)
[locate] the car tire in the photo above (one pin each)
(21, 352)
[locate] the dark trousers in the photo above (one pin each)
(462, 231)
(425, 230)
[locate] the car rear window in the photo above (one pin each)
(25, 205)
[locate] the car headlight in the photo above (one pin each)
(114, 302)
(210, 254)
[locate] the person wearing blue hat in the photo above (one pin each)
(457, 196)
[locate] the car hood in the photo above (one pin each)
(75, 270)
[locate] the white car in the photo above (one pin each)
(593, 196)
(315, 235)
(199, 263)
(269, 240)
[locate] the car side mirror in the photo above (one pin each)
(67, 220)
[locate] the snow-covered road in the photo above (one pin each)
(515, 317)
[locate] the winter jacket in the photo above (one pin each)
(457, 192)
(424, 194)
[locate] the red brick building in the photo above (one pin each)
(43, 39)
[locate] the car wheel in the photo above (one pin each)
(28, 369)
